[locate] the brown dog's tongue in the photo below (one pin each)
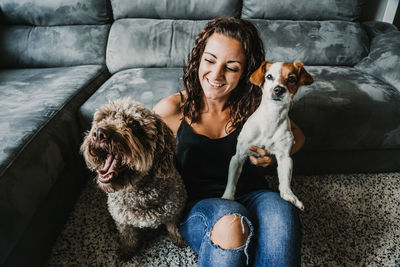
(109, 170)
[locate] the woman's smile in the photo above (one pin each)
(215, 84)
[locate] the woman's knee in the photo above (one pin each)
(277, 215)
(230, 232)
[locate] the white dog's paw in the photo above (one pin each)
(228, 196)
(290, 197)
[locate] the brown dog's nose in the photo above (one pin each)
(99, 134)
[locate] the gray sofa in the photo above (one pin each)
(60, 60)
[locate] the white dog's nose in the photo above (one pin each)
(279, 90)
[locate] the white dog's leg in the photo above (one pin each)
(235, 169)
(285, 165)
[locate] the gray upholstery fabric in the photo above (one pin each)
(342, 110)
(147, 86)
(56, 46)
(383, 61)
(346, 109)
(175, 9)
(303, 9)
(136, 43)
(375, 28)
(39, 138)
(55, 12)
(314, 42)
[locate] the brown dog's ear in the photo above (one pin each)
(304, 77)
(258, 76)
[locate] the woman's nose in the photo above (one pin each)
(217, 71)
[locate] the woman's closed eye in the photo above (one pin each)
(228, 68)
(232, 69)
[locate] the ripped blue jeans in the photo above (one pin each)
(274, 224)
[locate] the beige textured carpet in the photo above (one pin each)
(350, 220)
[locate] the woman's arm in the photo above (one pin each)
(267, 159)
(169, 111)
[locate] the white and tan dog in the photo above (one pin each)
(269, 126)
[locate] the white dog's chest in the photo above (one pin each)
(266, 131)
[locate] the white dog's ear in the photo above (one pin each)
(258, 76)
(304, 77)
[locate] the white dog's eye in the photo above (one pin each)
(292, 79)
(269, 77)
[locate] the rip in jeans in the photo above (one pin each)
(246, 245)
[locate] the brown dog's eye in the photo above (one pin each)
(291, 79)
(269, 77)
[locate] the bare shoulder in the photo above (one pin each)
(169, 109)
(168, 106)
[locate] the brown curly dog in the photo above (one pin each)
(132, 151)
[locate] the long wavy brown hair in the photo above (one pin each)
(245, 98)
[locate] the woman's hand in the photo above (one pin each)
(265, 159)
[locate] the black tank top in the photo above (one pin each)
(204, 163)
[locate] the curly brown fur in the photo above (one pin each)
(132, 151)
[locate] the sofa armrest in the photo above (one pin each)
(375, 28)
(383, 60)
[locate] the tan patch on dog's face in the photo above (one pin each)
(289, 78)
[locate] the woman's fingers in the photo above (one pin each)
(265, 158)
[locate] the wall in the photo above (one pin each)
(382, 10)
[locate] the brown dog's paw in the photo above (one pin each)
(125, 254)
(178, 241)
(175, 235)
(127, 251)
(130, 243)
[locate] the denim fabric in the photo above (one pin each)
(275, 231)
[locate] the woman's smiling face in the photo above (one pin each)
(221, 66)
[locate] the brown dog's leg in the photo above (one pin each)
(129, 241)
(175, 235)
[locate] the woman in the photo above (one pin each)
(258, 227)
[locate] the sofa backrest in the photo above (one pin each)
(176, 9)
(317, 32)
(348, 10)
(53, 33)
(159, 33)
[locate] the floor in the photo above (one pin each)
(349, 220)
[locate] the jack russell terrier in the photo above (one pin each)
(269, 126)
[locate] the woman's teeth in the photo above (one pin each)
(215, 84)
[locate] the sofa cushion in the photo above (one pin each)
(138, 43)
(175, 9)
(332, 43)
(349, 10)
(147, 86)
(56, 46)
(346, 109)
(55, 12)
(39, 138)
